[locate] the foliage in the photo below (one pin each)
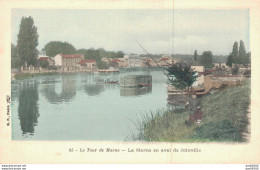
(235, 70)
(195, 55)
(102, 65)
(224, 119)
(98, 54)
(57, 47)
(206, 59)
(27, 41)
(16, 61)
(217, 131)
(13, 51)
(230, 60)
(44, 64)
(239, 56)
(235, 51)
(186, 57)
(241, 53)
(181, 75)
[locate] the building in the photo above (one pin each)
(120, 62)
(200, 80)
(166, 60)
(48, 59)
(68, 62)
(87, 64)
(123, 62)
(220, 65)
(134, 60)
(216, 72)
(107, 60)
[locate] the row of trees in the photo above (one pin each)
(57, 47)
(98, 54)
(205, 59)
(239, 55)
(25, 53)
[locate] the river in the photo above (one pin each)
(74, 107)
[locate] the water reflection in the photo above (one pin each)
(67, 93)
(94, 89)
(28, 111)
(61, 95)
(128, 91)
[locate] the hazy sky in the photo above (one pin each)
(157, 30)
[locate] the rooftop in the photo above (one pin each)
(87, 61)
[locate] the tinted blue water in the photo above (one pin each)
(75, 107)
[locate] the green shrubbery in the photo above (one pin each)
(224, 119)
(217, 131)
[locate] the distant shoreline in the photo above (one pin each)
(24, 75)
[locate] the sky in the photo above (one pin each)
(162, 31)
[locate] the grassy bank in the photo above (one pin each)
(20, 76)
(224, 119)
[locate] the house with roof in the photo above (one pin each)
(166, 60)
(216, 72)
(105, 59)
(220, 65)
(48, 59)
(68, 62)
(134, 60)
(87, 64)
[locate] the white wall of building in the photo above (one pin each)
(58, 60)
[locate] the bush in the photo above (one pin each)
(217, 131)
(44, 64)
(102, 65)
(224, 119)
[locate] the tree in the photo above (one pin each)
(230, 60)
(233, 56)
(58, 47)
(206, 59)
(102, 65)
(235, 70)
(248, 58)
(235, 52)
(181, 75)
(44, 63)
(27, 41)
(119, 54)
(242, 53)
(15, 60)
(195, 55)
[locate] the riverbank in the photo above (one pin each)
(19, 76)
(24, 75)
(225, 120)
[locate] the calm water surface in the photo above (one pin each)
(75, 107)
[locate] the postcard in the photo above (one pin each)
(129, 82)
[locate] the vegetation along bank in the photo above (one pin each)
(224, 120)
